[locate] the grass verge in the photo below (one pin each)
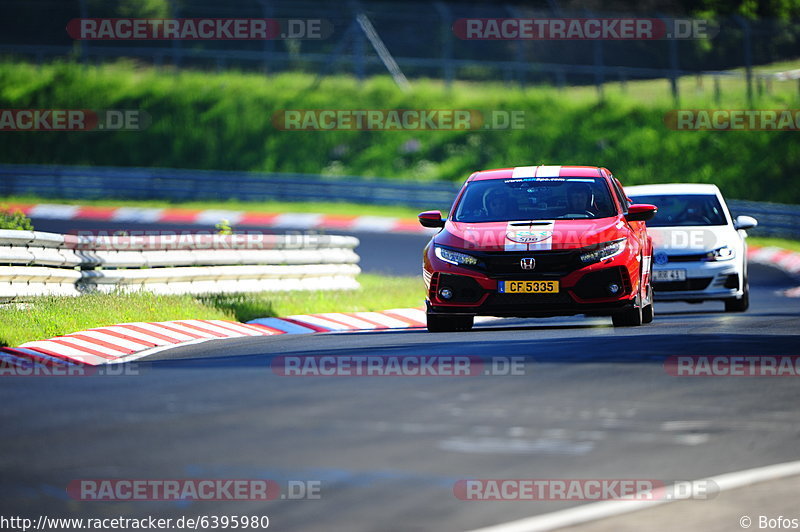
(48, 316)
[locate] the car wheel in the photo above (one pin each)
(439, 323)
(631, 317)
(739, 304)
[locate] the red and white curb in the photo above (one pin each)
(400, 318)
(783, 259)
(307, 221)
(126, 342)
(788, 261)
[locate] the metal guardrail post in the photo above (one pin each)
(447, 42)
(747, 43)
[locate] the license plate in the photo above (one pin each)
(669, 275)
(527, 287)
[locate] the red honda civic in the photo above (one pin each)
(539, 241)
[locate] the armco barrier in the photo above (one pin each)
(35, 263)
(104, 183)
(177, 185)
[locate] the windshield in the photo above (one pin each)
(536, 198)
(684, 209)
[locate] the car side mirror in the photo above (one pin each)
(641, 212)
(431, 219)
(742, 223)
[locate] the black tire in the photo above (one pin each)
(631, 317)
(439, 323)
(739, 304)
(648, 313)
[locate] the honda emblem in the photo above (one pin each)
(528, 263)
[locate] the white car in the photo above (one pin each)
(700, 252)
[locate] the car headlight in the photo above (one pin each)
(454, 257)
(723, 253)
(604, 251)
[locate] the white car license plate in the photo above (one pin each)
(669, 275)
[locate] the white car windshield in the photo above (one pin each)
(684, 209)
(537, 198)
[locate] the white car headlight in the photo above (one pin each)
(454, 257)
(604, 251)
(723, 253)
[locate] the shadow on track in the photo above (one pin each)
(630, 349)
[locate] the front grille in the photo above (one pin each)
(506, 265)
(693, 257)
(677, 286)
(434, 287)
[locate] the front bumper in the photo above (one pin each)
(704, 281)
(581, 291)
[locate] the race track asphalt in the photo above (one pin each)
(593, 402)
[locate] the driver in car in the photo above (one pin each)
(580, 200)
(694, 212)
(496, 204)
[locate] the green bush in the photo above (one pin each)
(15, 220)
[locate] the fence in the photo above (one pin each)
(774, 219)
(417, 38)
(39, 263)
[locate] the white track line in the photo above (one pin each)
(602, 510)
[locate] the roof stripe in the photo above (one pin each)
(523, 171)
(548, 171)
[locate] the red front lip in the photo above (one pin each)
(566, 234)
